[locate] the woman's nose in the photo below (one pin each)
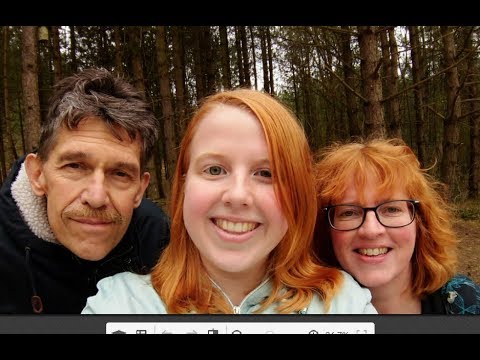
(238, 192)
(371, 226)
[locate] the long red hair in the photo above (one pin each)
(179, 277)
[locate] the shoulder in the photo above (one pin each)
(150, 230)
(11, 176)
(351, 298)
(461, 280)
(149, 219)
(148, 208)
(462, 295)
(125, 293)
(351, 288)
(123, 284)
(125, 281)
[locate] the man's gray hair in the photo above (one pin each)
(97, 92)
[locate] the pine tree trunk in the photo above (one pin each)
(31, 100)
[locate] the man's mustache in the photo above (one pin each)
(104, 215)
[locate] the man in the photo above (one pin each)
(73, 212)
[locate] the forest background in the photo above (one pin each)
(418, 83)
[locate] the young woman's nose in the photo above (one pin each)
(238, 191)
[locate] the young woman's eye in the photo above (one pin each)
(215, 170)
(264, 173)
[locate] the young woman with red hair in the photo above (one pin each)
(243, 210)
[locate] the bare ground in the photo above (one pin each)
(468, 232)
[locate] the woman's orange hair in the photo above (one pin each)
(179, 277)
(395, 166)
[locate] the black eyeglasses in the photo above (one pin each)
(391, 214)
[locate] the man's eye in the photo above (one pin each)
(73, 165)
(215, 170)
(120, 173)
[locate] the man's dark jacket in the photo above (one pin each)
(43, 275)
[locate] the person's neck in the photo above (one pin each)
(403, 303)
(396, 297)
(237, 286)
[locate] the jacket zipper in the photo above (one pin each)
(238, 308)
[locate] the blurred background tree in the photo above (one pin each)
(419, 83)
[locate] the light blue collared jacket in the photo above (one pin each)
(128, 293)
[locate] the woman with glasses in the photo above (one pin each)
(384, 220)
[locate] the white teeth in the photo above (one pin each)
(239, 227)
(373, 252)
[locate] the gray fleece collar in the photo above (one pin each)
(33, 208)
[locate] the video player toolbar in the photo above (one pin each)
(163, 328)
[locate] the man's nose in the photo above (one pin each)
(95, 193)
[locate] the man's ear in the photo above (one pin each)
(144, 181)
(34, 169)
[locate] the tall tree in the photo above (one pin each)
(73, 50)
(390, 66)
(135, 47)
(451, 132)
(245, 58)
(118, 51)
(209, 59)
(181, 96)
(254, 58)
(263, 46)
(31, 98)
(4, 52)
(418, 74)
(308, 99)
(225, 58)
(372, 85)
(238, 47)
(471, 88)
(9, 151)
(356, 128)
(200, 85)
(270, 58)
(167, 109)
(57, 57)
